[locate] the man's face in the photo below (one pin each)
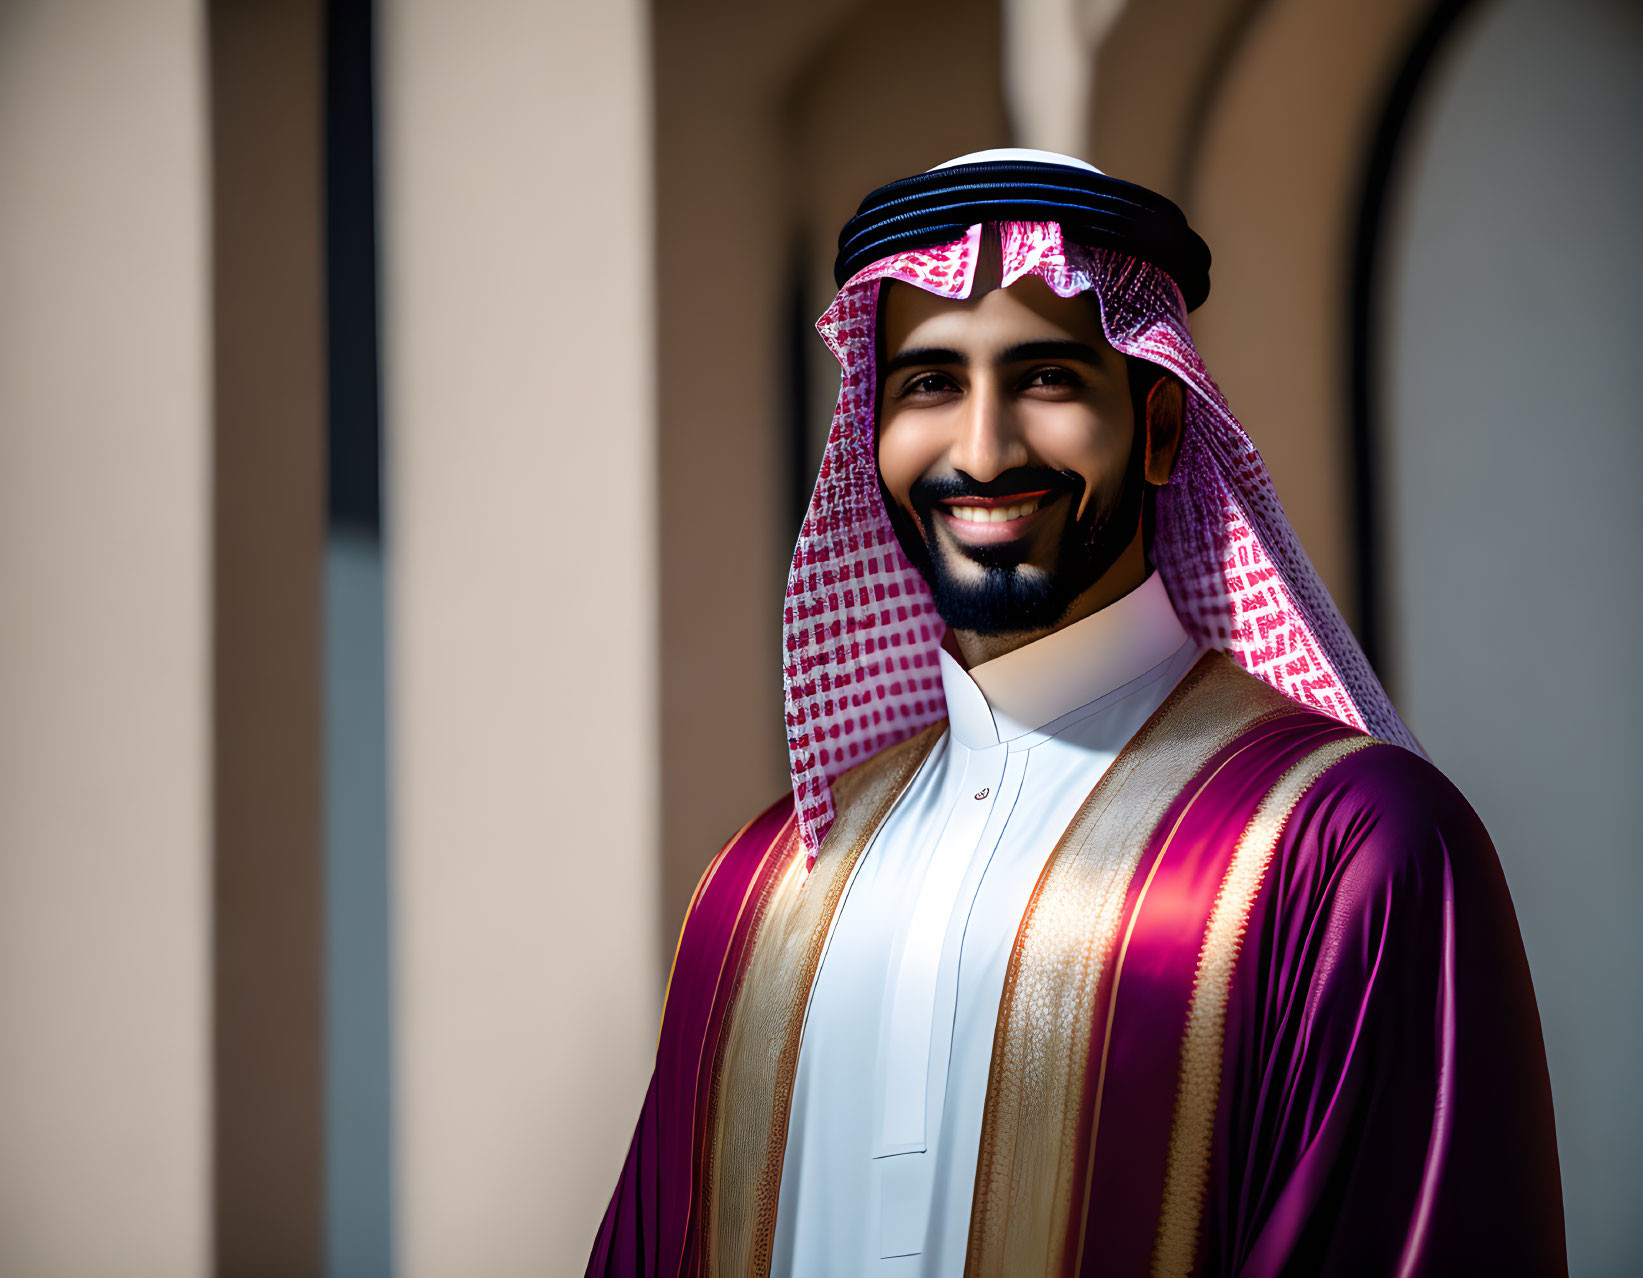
(1007, 450)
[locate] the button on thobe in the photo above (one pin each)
(892, 1074)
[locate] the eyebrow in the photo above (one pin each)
(1052, 348)
(934, 356)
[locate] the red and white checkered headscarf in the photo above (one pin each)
(861, 633)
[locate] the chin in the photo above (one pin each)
(1002, 600)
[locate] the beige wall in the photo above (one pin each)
(718, 505)
(104, 570)
(724, 253)
(1256, 117)
(861, 113)
(522, 620)
(1276, 195)
(1157, 71)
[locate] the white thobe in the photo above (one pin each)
(892, 1075)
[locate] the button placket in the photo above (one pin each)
(903, 1161)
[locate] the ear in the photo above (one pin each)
(1166, 406)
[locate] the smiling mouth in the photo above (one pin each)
(991, 520)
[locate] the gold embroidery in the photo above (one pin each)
(784, 845)
(1029, 1177)
(759, 1049)
(1200, 1072)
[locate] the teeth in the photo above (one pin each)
(995, 515)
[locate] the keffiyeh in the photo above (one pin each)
(860, 631)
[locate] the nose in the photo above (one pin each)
(989, 439)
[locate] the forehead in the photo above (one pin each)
(1027, 311)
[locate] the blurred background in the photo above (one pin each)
(406, 411)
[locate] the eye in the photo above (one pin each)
(926, 384)
(1052, 377)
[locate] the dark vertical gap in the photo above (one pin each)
(358, 982)
(354, 493)
(1364, 326)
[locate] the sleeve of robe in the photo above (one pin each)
(642, 1232)
(626, 1242)
(1385, 1107)
(647, 1226)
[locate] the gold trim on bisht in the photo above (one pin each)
(1028, 1170)
(759, 1048)
(1198, 1092)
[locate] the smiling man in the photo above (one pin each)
(1115, 924)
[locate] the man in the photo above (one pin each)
(1115, 924)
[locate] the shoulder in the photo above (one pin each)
(723, 885)
(1386, 793)
(737, 862)
(722, 893)
(1381, 822)
(1349, 779)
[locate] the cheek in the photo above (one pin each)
(1093, 445)
(910, 444)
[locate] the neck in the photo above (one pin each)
(1128, 571)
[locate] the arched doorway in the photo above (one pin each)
(1511, 457)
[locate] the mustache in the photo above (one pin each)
(928, 491)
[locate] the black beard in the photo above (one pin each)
(1010, 597)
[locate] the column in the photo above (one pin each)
(520, 547)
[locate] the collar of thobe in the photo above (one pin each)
(1018, 693)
